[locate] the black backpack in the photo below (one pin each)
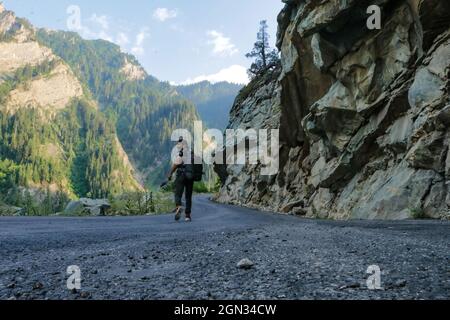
(193, 171)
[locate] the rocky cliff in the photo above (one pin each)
(133, 71)
(363, 114)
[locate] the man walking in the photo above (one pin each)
(184, 182)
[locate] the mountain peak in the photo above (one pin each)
(7, 19)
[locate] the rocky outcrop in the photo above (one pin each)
(18, 47)
(52, 92)
(92, 207)
(17, 55)
(133, 71)
(363, 114)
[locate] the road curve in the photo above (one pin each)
(157, 258)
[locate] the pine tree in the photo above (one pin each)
(266, 57)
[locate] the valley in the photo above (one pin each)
(92, 122)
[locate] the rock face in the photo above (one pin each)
(133, 71)
(363, 114)
(53, 92)
(16, 55)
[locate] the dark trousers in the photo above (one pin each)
(183, 185)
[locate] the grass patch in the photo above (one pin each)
(418, 214)
(141, 203)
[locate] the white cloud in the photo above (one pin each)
(138, 48)
(222, 46)
(98, 27)
(234, 74)
(74, 24)
(87, 33)
(100, 20)
(104, 35)
(163, 14)
(122, 39)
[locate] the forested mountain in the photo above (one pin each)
(213, 101)
(54, 142)
(144, 110)
(363, 115)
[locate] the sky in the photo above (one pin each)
(180, 41)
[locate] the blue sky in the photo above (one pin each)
(175, 40)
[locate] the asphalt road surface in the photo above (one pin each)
(157, 258)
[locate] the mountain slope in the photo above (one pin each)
(52, 137)
(213, 101)
(145, 110)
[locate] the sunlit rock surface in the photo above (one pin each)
(363, 114)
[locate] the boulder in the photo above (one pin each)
(428, 153)
(84, 206)
(245, 264)
(6, 210)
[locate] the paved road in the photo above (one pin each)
(157, 258)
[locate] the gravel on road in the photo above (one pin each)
(155, 257)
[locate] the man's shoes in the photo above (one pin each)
(178, 212)
(188, 218)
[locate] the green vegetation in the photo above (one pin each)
(8, 175)
(134, 203)
(24, 75)
(41, 204)
(213, 101)
(202, 187)
(199, 187)
(265, 57)
(76, 152)
(141, 203)
(418, 214)
(45, 159)
(5, 88)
